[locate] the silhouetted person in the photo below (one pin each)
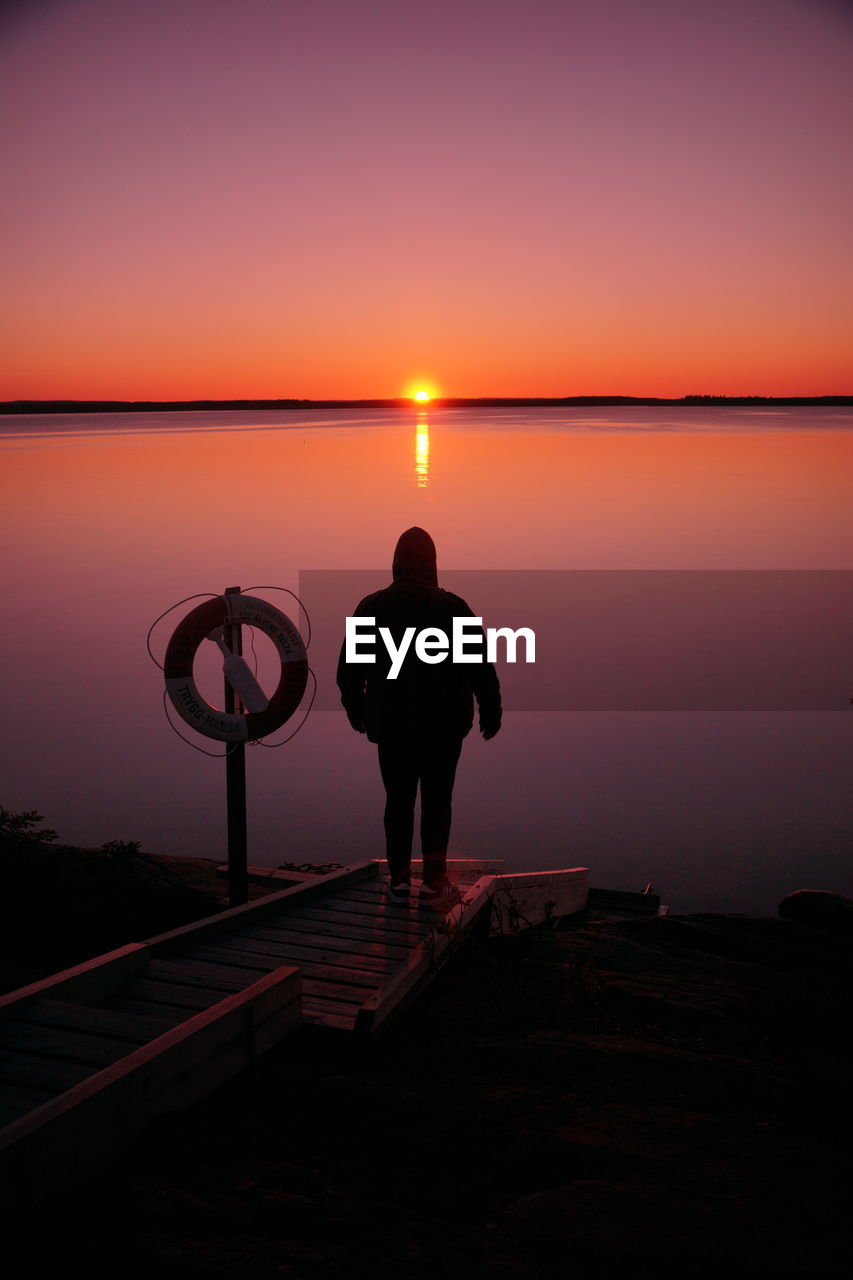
(419, 719)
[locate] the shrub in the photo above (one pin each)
(22, 827)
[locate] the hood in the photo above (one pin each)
(414, 557)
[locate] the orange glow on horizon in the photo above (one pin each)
(556, 248)
(198, 357)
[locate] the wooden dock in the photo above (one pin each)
(91, 1055)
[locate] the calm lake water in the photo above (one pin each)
(112, 518)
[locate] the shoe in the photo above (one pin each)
(439, 897)
(400, 893)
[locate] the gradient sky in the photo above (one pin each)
(343, 198)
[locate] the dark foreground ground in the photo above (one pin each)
(665, 1097)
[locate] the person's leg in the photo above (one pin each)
(399, 772)
(438, 762)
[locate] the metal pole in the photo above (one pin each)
(235, 783)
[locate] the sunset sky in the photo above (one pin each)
(345, 198)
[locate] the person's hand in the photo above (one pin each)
(489, 730)
(358, 725)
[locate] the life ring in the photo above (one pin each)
(197, 626)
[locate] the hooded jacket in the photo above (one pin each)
(425, 699)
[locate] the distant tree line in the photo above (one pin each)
(455, 402)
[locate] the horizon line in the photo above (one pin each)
(60, 404)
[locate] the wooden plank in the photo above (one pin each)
(410, 928)
(168, 993)
(369, 911)
(284, 988)
(337, 928)
(10, 1111)
(558, 875)
(322, 973)
(531, 898)
(313, 965)
(259, 961)
(332, 973)
(377, 901)
(343, 992)
(376, 893)
(82, 982)
(17, 1100)
(253, 912)
(76, 1133)
(407, 922)
(407, 929)
(259, 874)
(425, 961)
(271, 953)
(62, 1044)
(24, 1095)
(379, 884)
(84, 1017)
(373, 898)
(378, 887)
(373, 893)
(316, 1017)
(40, 1073)
(331, 1006)
(455, 866)
(167, 1015)
(188, 971)
(330, 939)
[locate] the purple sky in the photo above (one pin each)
(340, 198)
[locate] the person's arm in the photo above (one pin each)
(351, 683)
(486, 688)
(487, 691)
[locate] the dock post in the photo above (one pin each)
(235, 783)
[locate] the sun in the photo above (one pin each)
(421, 389)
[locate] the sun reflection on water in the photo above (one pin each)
(422, 452)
